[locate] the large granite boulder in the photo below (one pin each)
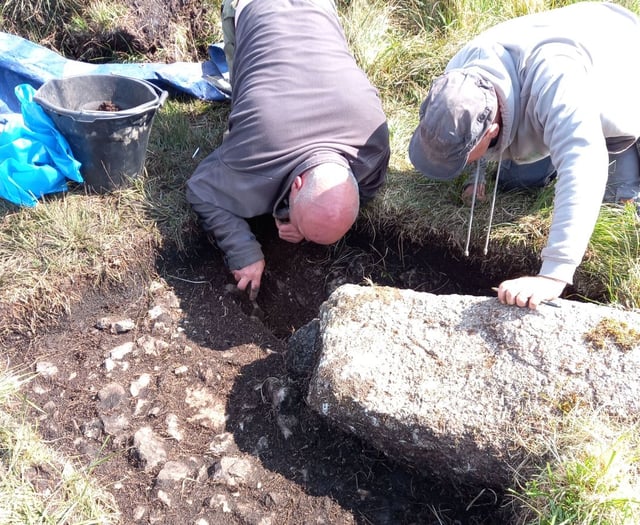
(458, 384)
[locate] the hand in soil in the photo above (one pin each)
(255, 312)
(249, 278)
(467, 193)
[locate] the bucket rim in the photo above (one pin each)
(93, 115)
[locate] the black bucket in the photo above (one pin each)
(107, 120)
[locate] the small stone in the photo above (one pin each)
(139, 513)
(234, 471)
(160, 328)
(150, 448)
(114, 424)
(92, 429)
(222, 443)
(172, 427)
(111, 396)
(156, 312)
(140, 406)
(155, 286)
(104, 324)
(46, 369)
(121, 327)
(173, 472)
(119, 352)
(164, 497)
(140, 384)
(219, 501)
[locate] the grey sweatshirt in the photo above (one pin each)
(299, 100)
(567, 81)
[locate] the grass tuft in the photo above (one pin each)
(612, 263)
(36, 484)
(592, 476)
(42, 21)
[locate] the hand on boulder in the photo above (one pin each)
(530, 291)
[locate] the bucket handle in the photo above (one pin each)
(92, 116)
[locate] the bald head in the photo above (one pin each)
(326, 204)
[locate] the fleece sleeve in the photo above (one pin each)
(567, 108)
(232, 233)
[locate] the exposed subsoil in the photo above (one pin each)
(149, 29)
(206, 340)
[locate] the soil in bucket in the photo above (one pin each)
(106, 120)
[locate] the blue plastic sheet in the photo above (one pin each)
(22, 61)
(35, 159)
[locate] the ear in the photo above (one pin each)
(493, 130)
(297, 183)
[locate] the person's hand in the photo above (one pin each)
(250, 275)
(530, 291)
(467, 193)
(288, 232)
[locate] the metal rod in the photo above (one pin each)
(473, 205)
(493, 204)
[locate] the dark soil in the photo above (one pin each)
(318, 474)
(107, 105)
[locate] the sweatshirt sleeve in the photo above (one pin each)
(569, 115)
(232, 233)
(222, 198)
(370, 169)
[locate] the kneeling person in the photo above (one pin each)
(307, 138)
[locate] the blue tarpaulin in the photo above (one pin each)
(22, 61)
(35, 159)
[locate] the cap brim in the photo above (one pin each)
(431, 169)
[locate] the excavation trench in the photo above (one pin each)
(202, 353)
(298, 278)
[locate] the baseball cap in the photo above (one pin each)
(458, 110)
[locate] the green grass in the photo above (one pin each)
(591, 476)
(401, 45)
(42, 21)
(99, 15)
(86, 240)
(62, 25)
(613, 259)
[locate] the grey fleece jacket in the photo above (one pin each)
(567, 82)
(299, 100)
